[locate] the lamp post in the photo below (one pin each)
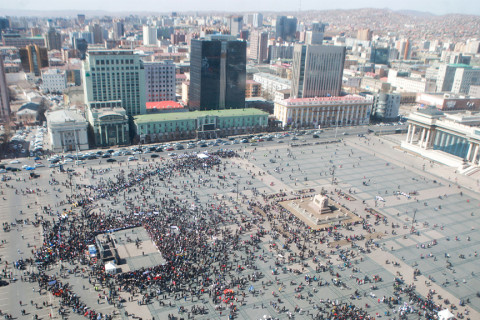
(238, 180)
(333, 174)
(413, 220)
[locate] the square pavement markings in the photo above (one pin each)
(393, 244)
(362, 196)
(407, 242)
(434, 234)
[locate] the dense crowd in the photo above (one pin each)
(209, 249)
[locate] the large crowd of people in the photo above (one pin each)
(211, 250)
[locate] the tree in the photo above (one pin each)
(44, 106)
(12, 94)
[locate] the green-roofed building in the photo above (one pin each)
(199, 124)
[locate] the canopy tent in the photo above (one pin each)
(202, 155)
(445, 314)
(110, 267)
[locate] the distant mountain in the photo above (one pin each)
(72, 13)
(366, 12)
(415, 13)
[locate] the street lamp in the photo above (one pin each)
(333, 174)
(413, 220)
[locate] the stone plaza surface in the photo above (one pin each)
(446, 210)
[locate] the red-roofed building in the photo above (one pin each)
(164, 106)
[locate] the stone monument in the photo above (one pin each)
(320, 204)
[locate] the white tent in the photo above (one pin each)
(110, 268)
(445, 314)
(202, 155)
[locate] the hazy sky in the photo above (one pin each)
(433, 6)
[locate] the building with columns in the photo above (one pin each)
(67, 130)
(109, 123)
(449, 138)
(350, 110)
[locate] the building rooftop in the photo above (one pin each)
(430, 111)
(272, 77)
(195, 114)
(53, 71)
(325, 99)
(460, 65)
(98, 52)
(161, 105)
(62, 116)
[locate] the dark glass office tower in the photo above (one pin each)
(217, 74)
(380, 55)
(236, 74)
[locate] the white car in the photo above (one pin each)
(39, 165)
(3, 171)
(68, 160)
(14, 161)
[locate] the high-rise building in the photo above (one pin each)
(4, 99)
(450, 79)
(97, 31)
(313, 37)
(472, 46)
(259, 46)
(464, 78)
(53, 39)
(276, 52)
(35, 31)
(404, 48)
(118, 29)
(257, 20)
(149, 36)
(380, 55)
(159, 81)
(88, 36)
(317, 71)
(217, 74)
(286, 28)
(235, 24)
(114, 75)
(4, 25)
(81, 18)
(81, 46)
(364, 34)
(33, 59)
(318, 26)
(16, 40)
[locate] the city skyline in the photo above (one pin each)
(428, 6)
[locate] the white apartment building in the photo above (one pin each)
(149, 36)
(464, 78)
(54, 80)
(159, 81)
(324, 112)
(406, 84)
(271, 84)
